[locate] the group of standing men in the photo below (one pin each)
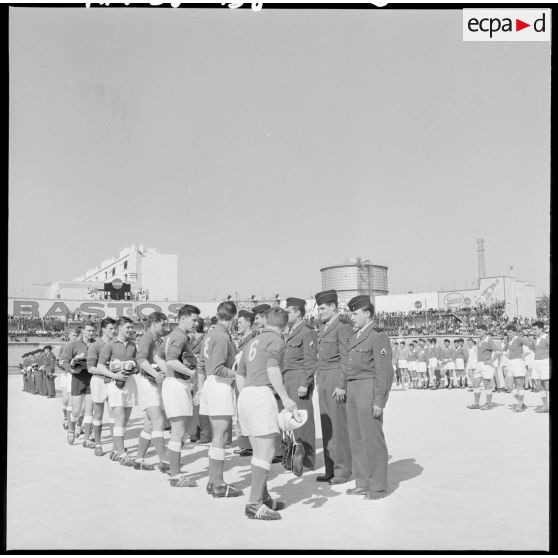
(37, 368)
(178, 375)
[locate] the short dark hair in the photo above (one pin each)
(200, 325)
(90, 324)
(213, 320)
(402, 343)
(188, 310)
(538, 324)
(276, 317)
(411, 344)
(123, 320)
(226, 310)
(446, 340)
(247, 316)
(461, 340)
(156, 318)
(433, 340)
(483, 327)
(106, 321)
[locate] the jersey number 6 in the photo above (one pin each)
(252, 353)
(206, 348)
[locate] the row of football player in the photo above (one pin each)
(159, 374)
(524, 363)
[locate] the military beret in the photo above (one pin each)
(298, 302)
(260, 309)
(326, 297)
(246, 314)
(359, 301)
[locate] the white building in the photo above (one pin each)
(143, 268)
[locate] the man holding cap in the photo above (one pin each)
(300, 365)
(333, 341)
(369, 375)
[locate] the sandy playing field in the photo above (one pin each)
(461, 480)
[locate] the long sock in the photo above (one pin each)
(544, 399)
(158, 441)
(174, 458)
(216, 465)
(64, 412)
(488, 396)
(87, 424)
(515, 394)
(118, 439)
(143, 443)
(97, 428)
(260, 469)
(71, 425)
(520, 396)
(477, 394)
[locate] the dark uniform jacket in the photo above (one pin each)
(49, 363)
(333, 343)
(369, 356)
(301, 353)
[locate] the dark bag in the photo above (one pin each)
(293, 453)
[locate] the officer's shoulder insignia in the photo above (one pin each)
(383, 353)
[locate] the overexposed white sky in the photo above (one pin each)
(261, 146)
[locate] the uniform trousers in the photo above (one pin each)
(51, 390)
(366, 436)
(306, 432)
(333, 417)
(44, 381)
(39, 381)
(34, 387)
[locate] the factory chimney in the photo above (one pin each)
(480, 250)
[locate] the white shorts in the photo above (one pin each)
(529, 359)
(99, 390)
(149, 393)
(421, 366)
(257, 411)
(449, 366)
(402, 364)
(542, 368)
(412, 366)
(432, 363)
(217, 397)
(472, 365)
(459, 364)
(125, 397)
(484, 371)
(517, 367)
(177, 397)
(504, 362)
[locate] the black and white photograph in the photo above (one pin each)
(283, 263)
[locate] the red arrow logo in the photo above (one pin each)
(519, 25)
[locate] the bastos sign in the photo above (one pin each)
(43, 308)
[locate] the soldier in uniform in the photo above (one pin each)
(196, 341)
(40, 374)
(333, 341)
(49, 363)
(299, 367)
(368, 375)
(245, 322)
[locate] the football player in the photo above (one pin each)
(75, 363)
(216, 375)
(259, 375)
(149, 380)
(177, 390)
(541, 364)
(99, 382)
(117, 360)
(66, 378)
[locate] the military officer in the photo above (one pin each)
(299, 368)
(40, 374)
(368, 375)
(333, 341)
